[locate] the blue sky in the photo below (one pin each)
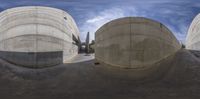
(92, 14)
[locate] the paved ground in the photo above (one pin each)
(81, 58)
(84, 80)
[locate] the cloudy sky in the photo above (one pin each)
(92, 14)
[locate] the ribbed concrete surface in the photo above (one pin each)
(193, 36)
(134, 43)
(37, 29)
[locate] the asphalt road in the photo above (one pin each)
(81, 79)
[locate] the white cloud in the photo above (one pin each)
(95, 19)
(173, 15)
(95, 22)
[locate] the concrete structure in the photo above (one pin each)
(35, 36)
(134, 43)
(87, 43)
(193, 36)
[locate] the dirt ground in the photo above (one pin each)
(84, 80)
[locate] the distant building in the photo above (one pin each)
(92, 46)
(87, 47)
(87, 43)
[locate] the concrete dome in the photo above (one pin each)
(193, 36)
(134, 43)
(36, 36)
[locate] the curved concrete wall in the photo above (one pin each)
(35, 29)
(193, 36)
(134, 42)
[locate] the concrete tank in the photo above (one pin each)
(35, 36)
(134, 43)
(193, 36)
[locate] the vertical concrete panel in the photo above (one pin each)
(193, 36)
(118, 45)
(112, 44)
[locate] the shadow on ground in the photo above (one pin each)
(84, 80)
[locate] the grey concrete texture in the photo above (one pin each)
(193, 36)
(134, 42)
(38, 29)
